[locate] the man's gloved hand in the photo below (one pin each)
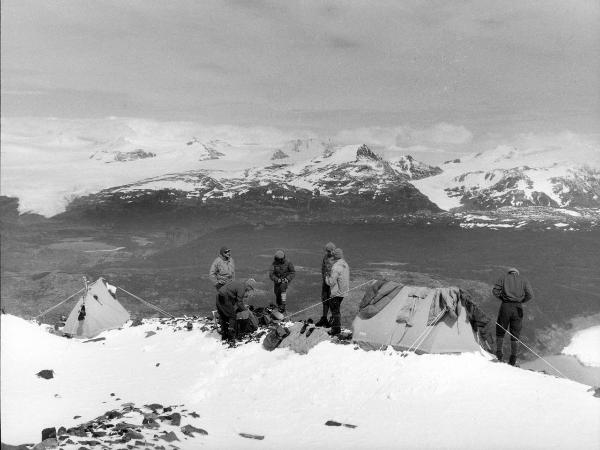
(279, 280)
(284, 280)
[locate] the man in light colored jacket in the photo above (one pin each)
(222, 270)
(339, 282)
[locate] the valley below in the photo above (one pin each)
(166, 263)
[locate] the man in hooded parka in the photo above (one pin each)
(513, 290)
(339, 281)
(222, 270)
(282, 272)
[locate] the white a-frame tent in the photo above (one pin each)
(97, 310)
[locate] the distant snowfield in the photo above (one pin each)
(429, 401)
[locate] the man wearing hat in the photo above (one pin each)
(230, 301)
(282, 272)
(326, 265)
(339, 281)
(222, 269)
(513, 290)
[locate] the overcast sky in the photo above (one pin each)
(488, 66)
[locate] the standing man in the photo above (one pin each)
(326, 265)
(282, 272)
(222, 269)
(230, 301)
(513, 290)
(339, 281)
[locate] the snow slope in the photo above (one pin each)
(430, 401)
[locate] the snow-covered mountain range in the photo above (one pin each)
(48, 172)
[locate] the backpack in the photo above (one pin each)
(274, 337)
(246, 322)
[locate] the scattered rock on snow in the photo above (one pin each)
(252, 436)
(170, 436)
(95, 340)
(46, 374)
(189, 430)
(48, 433)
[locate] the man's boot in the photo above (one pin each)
(323, 322)
(499, 342)
(282, 307)
(514, 350)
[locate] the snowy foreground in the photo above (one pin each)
(429, 401)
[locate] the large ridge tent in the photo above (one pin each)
(96, 311)
(421, 319)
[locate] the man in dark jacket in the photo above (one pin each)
(326, 264)
(282, 272)
(513, 290)
(230, 301)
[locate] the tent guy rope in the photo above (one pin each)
(162, 311)
(57, 305)
(326, 300)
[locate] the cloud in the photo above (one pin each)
(441, 134)
(343, 43)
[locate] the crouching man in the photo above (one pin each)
(230, 301)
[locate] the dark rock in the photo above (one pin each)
(125, 426)
(46, 444)
(4, 446)
(131, 434)
(194, 414)
(77, 431)
(136, 322)
(157, 364)
(95, 340)
(154, 406)
(61, 431)
(48, 433)
(150, 423)
(252, 436)
(189, 430)
(333, 423)
(46, 374)
(76, 417)
(112, 415)
(170, 437)
(167, 409)
(176, 419)
(150, 333)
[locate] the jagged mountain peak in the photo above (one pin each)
(364, 152)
